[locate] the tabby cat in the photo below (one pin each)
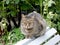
(33, 25)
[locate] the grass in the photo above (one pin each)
(12, 37)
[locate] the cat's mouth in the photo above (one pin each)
(29, 28)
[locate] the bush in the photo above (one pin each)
(12, 37)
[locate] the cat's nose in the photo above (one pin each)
(27, 26)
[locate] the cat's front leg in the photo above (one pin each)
(29, 36)
(26, 36)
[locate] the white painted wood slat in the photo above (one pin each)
(53, 40)
(47, 29)
(26, 41)
(59, 44)
(41, 39)
(22, 42)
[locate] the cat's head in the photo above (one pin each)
(28, 21)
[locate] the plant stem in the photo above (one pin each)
(3, 8)
(40, 3)
(3, 5)
(47, 7)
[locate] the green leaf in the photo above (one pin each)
(25, 6)
(58, 25)
(50, 3)
(16, 1)
(13, 13)
(57, 5)
(37, 2)
(7, 1)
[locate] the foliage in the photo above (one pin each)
(3, 27)
(8, 7)
(52, 16)
(13, 36)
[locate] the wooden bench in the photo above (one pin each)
(50, 38)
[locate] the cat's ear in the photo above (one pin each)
(23, 16)
(34, 12)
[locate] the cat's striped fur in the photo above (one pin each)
(33, 25)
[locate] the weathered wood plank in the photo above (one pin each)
(41, 39)
(22, 42)
(53, 40)
(59, 44)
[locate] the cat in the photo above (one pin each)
(33, 25)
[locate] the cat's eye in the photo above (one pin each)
(25, 23)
